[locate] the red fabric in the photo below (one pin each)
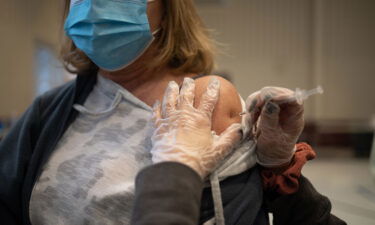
(285, 180)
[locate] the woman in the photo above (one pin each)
(73, 156)
(90, 137)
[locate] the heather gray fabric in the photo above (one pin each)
(89, 178)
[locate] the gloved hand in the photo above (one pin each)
(183, 133)
(275, 119)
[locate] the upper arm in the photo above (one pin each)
(228, 107)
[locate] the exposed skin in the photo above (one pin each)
(228, 107)
(149, 86)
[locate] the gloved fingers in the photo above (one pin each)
(252, 120)
(254, 115)
(247, 126)
(278, 95)
(223, 146)
(250, 116)
(257, 101)
(170, 99)
(291, 118)
(156, 113)
(254, 103)
(187, 93)
(269, 118)
(160, 131)
(210, 97)
(291, 111)
(228, 139)
(251, 101)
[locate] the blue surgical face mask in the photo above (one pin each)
(112, 33)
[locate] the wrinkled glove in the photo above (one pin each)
(275, 119)
(183, 133)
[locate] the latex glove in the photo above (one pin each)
(183, 133)
(275, 119)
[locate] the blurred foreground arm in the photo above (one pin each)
(167, 193)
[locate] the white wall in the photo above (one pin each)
(23, 25)
(302, 43)
(346, 58)
(15, 57)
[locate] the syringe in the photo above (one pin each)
(300, 95)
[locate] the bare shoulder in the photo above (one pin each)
(228, 107)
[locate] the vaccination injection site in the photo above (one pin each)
(187, 112)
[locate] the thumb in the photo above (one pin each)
(270, 116)
(228, 139)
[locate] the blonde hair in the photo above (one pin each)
(183, 43)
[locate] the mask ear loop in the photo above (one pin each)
(155, 32)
